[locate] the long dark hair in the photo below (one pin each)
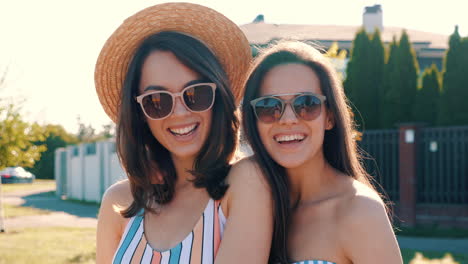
(142, 156)
(339, 146)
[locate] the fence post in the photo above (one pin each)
(408, 145)
(2, 215)
(57, 175)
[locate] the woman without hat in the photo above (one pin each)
(297, 119)
(170, 77)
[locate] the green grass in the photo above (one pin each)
(11, 211)
(36, 185)
(431, 231)
(430, 257)
(77, 245)
(48, 245)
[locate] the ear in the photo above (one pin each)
(330, 120)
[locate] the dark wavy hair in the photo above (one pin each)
(339, 146)
(142, 156)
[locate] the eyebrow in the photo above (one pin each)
(162, 88)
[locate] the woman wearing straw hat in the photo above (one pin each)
(170, 77)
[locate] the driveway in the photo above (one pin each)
(64, 213)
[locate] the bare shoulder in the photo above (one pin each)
(245, 172)
(116, 198)
(248, 207)
(118, 194)
(245, 164)
(246, 183)
(111, 223)
(364, 201)
(363, 221)
(362, 206)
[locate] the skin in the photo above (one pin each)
(338, 219)
(175, 220)
(158, 73)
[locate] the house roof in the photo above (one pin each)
(262, 33)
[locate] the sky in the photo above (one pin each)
(49, 48)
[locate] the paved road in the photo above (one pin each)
(64, 213)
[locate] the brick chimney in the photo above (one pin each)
(373, 18)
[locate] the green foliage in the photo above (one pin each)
(87, 134)
(363, 84)
(16, 139)
(390, 86)
(408, 68)
(427, 98)
(55, 137)
(453, 105)
(400, 83)
(108, 131)
(377, 66)
(337, 58)
(354, 72)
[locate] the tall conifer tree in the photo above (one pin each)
(364, 78)
(375, 91)
(409, 70)
(400, 83)
(453, 104)
(390, 87)
(427, 97)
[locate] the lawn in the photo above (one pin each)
(36, 185)
(48, 245)
(430, 257)
(11, 211)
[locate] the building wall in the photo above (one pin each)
(89, 169)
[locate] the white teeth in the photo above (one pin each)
(284, 138)
(184, 130)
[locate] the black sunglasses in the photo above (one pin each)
(269, 109)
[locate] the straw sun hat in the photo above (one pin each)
(218, 33)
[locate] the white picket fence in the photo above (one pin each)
(83, 172)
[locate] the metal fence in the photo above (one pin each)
(381, 160)
(442, 170)
(442, 163)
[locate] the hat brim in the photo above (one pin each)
(222, 36)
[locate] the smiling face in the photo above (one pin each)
(183, 132)
(292, 141)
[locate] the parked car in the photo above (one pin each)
(16, 175)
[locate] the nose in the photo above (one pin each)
(179, 107)
(288, 117)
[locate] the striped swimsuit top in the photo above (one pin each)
(199, 247)
(313, 262)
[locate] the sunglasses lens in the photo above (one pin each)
(157, 105)
(199, 98)
(307, 107)
(268, 110)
